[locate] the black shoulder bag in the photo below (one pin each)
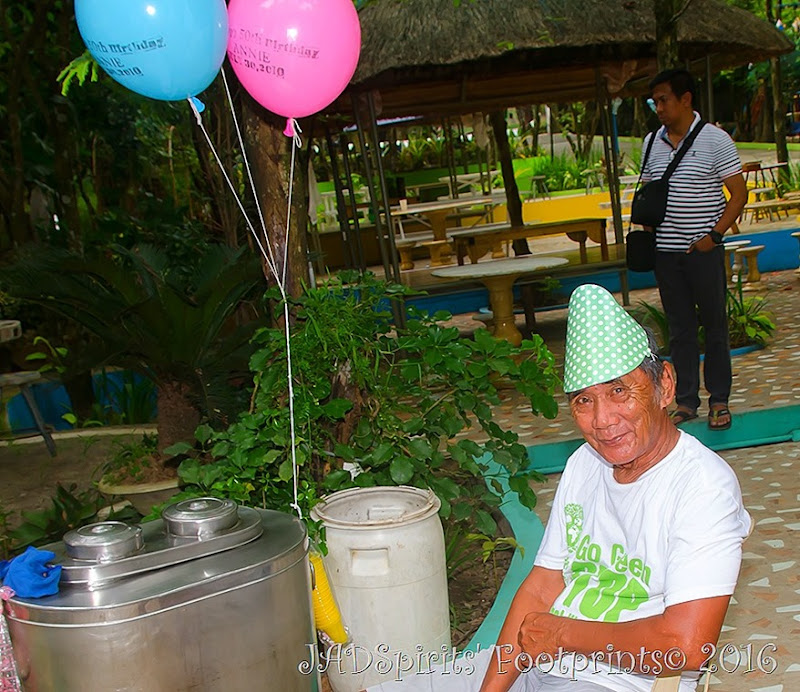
(649, 207)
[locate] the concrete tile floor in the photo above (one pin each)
(763, 621)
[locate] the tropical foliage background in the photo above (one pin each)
(121, 246)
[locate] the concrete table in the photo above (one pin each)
(499, 277)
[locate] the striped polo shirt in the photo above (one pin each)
(696, 201)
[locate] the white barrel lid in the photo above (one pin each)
(384, 506)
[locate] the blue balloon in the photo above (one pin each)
(165, 49)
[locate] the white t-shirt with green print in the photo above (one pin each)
(628, 551)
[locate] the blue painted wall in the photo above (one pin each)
(53, 401)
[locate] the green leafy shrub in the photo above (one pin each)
(562, 172)
(69, 509)
(748, 321)
(375, 406)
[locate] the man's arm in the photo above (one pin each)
(738, 198)
(682, 629)
(535, 595)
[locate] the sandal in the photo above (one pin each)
(682, 414)
(714, 415)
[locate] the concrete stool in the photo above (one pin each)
(749, 256)
(539, 186)
(23, 380)
(440, 252)
(405, 248)
(500, 250)
(732, 272)
(485, 318)
(796, 235)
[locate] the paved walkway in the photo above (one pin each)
(764, 618)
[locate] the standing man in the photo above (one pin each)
(690, 269)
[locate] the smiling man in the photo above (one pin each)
(642, 549)
(643, 546)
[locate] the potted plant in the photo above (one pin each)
(374, 405)
(750, 325)
(170, 324)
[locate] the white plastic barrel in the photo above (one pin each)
(386, 564)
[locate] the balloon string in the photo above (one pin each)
(246, 160)
(292, 433)
(269, 259)
(296, 144)
(295, 479)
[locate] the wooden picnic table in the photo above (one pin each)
(478, 240)
(499, 277)
(435, 213)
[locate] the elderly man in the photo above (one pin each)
(642, 549)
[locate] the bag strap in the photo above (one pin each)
(644, 163)
(675, 159)
(653, 135)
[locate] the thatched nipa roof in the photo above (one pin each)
(445, 56)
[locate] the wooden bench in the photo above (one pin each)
(478, 240)
(760, 193)
(438, 250)
(766, 208)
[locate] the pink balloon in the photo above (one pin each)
(293, 56)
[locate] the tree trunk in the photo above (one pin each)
(779, 116)
(513, 201)
(778, 105)
(177, 416)
(81, 394)
(639, 127)
(525, 120)
(666, 16)
(761, 114)
(268, 150)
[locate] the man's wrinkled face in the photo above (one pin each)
(670, 108)
(622, 419)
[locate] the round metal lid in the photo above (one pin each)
(104, 541)
(200, 517)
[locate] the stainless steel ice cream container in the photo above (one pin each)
(209, 597)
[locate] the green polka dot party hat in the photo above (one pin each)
(603, 341)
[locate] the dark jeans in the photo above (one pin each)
(693, 286)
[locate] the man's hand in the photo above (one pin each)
(704, 244)
(540, 633)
